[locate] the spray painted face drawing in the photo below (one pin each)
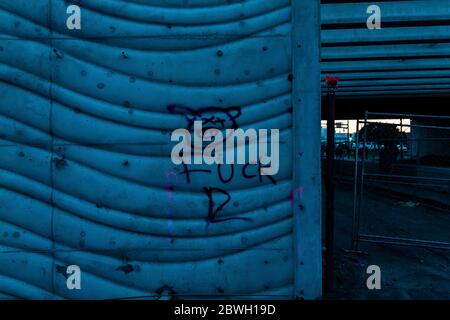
(241, 147)
(211, 117)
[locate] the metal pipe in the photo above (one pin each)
(405, 241)
(401, 141)
(355, 193)
(407, 115)
(405, 177)
(418, 139)
(414, 125)
(329, 227)
(361, 186)
(403, 183)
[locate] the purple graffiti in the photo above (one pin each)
(296, 195)
(169, 189)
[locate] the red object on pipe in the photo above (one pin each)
(332, 82)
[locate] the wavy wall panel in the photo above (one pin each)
(85, 171)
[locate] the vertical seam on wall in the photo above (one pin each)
(52, 234)
(292, 72)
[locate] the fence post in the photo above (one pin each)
(355, 222)
(332, 85)
(363, 162)
(329, 220)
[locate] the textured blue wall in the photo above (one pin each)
(85, 171)
(86, 116)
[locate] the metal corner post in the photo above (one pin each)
(329, 186)
(355, 220)
(306, 99)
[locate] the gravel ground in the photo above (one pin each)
(406, 272)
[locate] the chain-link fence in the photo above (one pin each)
(406, 160)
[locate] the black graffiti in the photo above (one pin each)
(211, 117)
(188, 172)
(217, 118)
(221, 178)
(259, 172)
(245, 173)
(213, 212)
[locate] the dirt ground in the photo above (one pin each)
(406, 272)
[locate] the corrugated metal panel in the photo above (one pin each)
(408, 56)
(85, 171)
